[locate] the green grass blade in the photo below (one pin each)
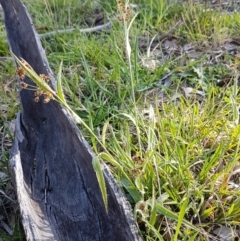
(101, 180)
(153, 214)
(124, 179)
(156, 232)
(180, 218)
(193, 238)
(170, 214)
(59, 84)
(130, 187)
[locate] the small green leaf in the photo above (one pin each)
(101, 180)
(230, 210)
(180, 218)
(208, 212)
(104, 133)
(124, 178)
(59, 84)
(153, 214)
(131, 188)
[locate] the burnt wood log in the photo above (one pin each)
(51, 163)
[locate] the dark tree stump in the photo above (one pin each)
(51, 163)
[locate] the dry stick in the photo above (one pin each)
(68, 31)
(6, 228)
(105, 25)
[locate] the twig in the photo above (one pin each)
(6, 228)
(4, 194)
(68, 31)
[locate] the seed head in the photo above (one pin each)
(46, 100)
(38, 92)
(41, 88)
(45, 77)
(47, 96)
(124, 10)
(36, 99)
(23, 85)
(20, 72)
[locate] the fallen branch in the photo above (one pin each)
(69, 31)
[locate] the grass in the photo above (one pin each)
(175, 156)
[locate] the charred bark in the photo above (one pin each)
(51, 163)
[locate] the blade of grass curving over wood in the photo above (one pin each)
(124, 178)
(101, 180)
(61, 96)
(59, 84)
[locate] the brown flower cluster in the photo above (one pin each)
(23, 84)
(21, 73)
(47, 96)
(45, 77)
(125, 11)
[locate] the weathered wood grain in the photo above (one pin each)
(51, 163)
